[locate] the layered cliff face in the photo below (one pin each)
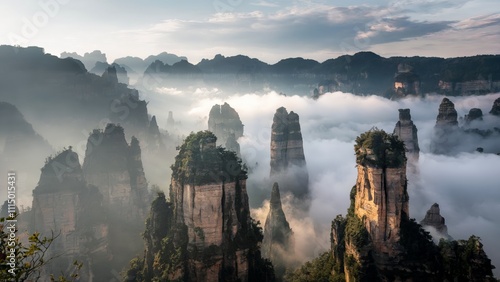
(495, 109)
(205, 229)
(64, 204)
(447, 116)
(406, 82)
(434, 220)
(277, 244)
(445, 131)
(407, 132)
(377, 241)
(116, 169)
(225, 123)
(288, 163)
(381, 197)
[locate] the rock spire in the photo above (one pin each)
(225, 123)
(288, 163)
(434, 219)
(407, 132)
(205, 228)
(278, 236)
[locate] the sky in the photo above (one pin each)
(264, 29)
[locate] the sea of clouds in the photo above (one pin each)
(466, 185)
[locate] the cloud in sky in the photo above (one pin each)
(270, 30)
(335, 29)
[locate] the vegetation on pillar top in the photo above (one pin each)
(376, 148)
(200, 162)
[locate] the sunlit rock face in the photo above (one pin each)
(407, 132)
(377, 240)
(225, 123)
(116, 169)
(288, 163)
(206, 230)
(277, 244)
(446, 128)
(381, 189)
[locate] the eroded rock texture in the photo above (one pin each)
(64, 205)
(381, 190)
(288, 163)
(225, 123)
(205, 228)
(445, 131)
(377, 241)
(407, 132)
(116, 169)
(434, 219)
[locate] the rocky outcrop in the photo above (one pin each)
(447, 116)
(407, 132)
(277, 244)
(495, 109)
(154, 137)
(106, 70)
(286, 141)
(288, 163)
(434, 219)
(406, 82)
(88, 59)
(64, 204)
(377, 241)
(445, 131)
(381, 193)
(474, 114)
(110, 75)
(225, 123)
(205, 229)
(116, 169)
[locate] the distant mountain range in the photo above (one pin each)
(361, 73)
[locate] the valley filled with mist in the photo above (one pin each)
(117, 159)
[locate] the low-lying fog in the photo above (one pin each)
(466, 185)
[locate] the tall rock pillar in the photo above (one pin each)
(288, 163)
(445, 130)
(407, 132)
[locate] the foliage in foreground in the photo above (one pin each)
(28, 260)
